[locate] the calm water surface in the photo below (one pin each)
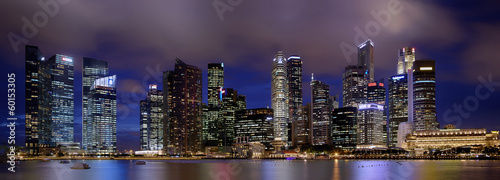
(258, 169)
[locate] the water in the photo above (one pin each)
(258, 169)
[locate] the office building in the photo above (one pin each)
(215, 85)
(398, 106)
(424, 95)
(376, 94)
(230, 104)
(303, 125)
(256, 125)
(365, 58)
(406, 58)
(92, 70)
(182, 89)
(321, 112)
(279, 97)
(344, 128)
(294, 72)
(450, 138)
(151, 121)
(102, 113)
(370, 126)
(354, 86)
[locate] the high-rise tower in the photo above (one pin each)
(406, 58)
(279, 97)
(424, 95)
(294, 71)
(365, 58)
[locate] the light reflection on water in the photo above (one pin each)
(258, 169)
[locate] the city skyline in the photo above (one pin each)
(240, 66)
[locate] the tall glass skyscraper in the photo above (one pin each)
(92, 70)
(321, 113)
(406, 58)
(215, 85)
(365, 58)
(424, 95)
(256, 125)
(398, 106)
(151, 120)
(354, 84)
(294, 72)
(370, 126)
(38, 100)
(102, 113)
(183, 92)
(230, 104)
(279, 97)
(344, 128)
(62, 98)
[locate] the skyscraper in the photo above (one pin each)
(398, 106)
(38, 98)
(321, 112)
(92, 70)
(102, 116)
(183, 89)
(365, 58)
(406, 58)
(294, 72)
(256, 124)
(62, 98)
(279, 97)
(376, 94)
(354, 84)
(303, 125)
(370, 126)
(215, 84)
(231, 102)
(152, 124)
(424, 95)
(344, 128)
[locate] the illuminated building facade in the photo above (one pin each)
(321, 113)
(294, 72)
(256, 125)
(376, 94)
(92, 70)
(370, 126)
(354, 86)
(279, 97)
(398, 106)
(406, 58)
(215, 84)
(424, 95)
(365, 58)
(230, 104)
(450, 138)
(344, 128)
(151, 120)
(102, 113)
(183, 93)
(303, 125)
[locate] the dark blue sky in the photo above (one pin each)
(141, 39)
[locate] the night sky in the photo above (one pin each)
(141, 39)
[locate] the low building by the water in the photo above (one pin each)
(450, 138)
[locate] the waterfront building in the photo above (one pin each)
(279, 97)
(294, 72)
(398, 106)
(256, 125)
(151, 121)
(303, 125)
(215, 85)
(344, 128)
(370, 126)
(424, 95)
(450, 138)
(321, 113)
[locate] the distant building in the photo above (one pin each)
(344, 128)
(215, 85)
(230, 104)
(406, 59)
(424, 95)
(151, 122)
(354, 86)
(321, 113)
(92, 69)
(279, 96)
(294, 72)
(376, 94)
(102, 113)
(398, 106)
(182, 91)
(450, 138)
(303, 125)
(365, 58)
(370, 126)
(256, 125)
